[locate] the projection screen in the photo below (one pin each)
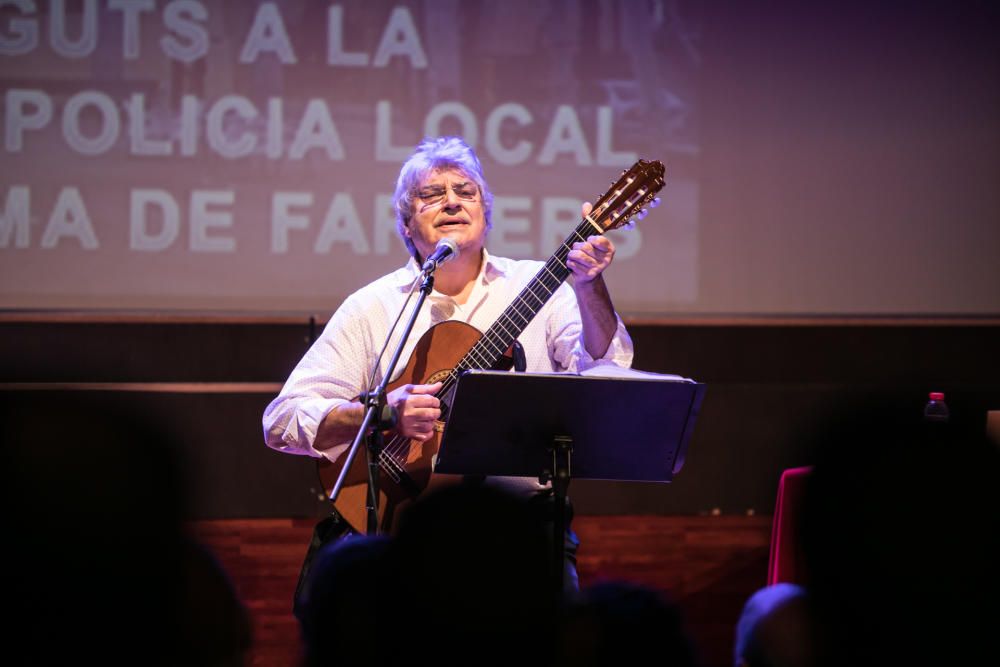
(240, 156)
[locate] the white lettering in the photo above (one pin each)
(16, 218)
(190, 108)
(268, 34)
(69, 218)
(494, 124)
(181, 17)
(202, 219)
(282, 219)
(384, 150)
(510, 216)
(24, 32)
(130, 9)
(335, 53)
(140, 237)
(342, 225)
(316, 131)
(275, 127)
(218, 138)
(385, 224)
(565, 136)
(86, 42)
(400, 38)
(560, 216)
(18, 119)
(110, 124)
(141, 145)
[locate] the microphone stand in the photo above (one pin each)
(376, 406)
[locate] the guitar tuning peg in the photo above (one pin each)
(643, 212)
(630, 224)
(655, 202)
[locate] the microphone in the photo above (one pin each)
(446, 249)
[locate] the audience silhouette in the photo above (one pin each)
(100, 568)
(900, 532)
(465, 577)
(774, 629)
(346, 595)
(901, 537)
(623, 623)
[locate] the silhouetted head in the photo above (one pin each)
(472, 571)
(344, 597)
(99, 567)
(774, 629)
(621, 623)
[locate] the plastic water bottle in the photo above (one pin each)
(936, 409)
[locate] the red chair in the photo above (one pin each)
(785, 562)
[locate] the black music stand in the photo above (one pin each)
(558, 426)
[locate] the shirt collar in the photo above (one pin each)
(493, 267)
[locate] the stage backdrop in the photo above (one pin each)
(240, 156)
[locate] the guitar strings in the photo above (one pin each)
(478, 356)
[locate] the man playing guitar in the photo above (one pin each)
(441, 192)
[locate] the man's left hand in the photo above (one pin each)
(587, 259)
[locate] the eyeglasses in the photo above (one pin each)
(434, 195)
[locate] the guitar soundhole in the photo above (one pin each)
(439, 376)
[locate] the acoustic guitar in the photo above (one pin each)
(449, 348)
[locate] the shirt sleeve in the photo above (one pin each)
(332, 373)
(565, 336)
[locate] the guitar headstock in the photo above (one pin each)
(636, 188)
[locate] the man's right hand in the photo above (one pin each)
(416, 409)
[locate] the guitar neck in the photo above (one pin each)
(499, 337)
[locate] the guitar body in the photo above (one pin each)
(434, 357)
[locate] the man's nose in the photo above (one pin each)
(451, 199)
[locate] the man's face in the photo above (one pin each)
(447, 203)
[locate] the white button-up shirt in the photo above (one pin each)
(338, 365)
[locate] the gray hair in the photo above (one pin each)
(430, 155)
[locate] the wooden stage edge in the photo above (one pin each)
(709, 565)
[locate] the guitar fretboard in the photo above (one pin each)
(499, 337)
